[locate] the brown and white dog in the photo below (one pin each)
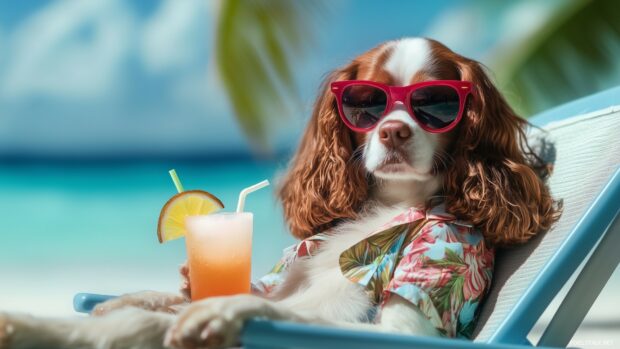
(350, 183)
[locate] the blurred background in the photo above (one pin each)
(100, 98)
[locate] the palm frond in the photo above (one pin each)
(255, 41)
(575, 53)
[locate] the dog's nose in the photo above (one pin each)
(394, 133)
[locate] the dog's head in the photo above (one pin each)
(480, 164)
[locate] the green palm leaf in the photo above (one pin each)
(368, 250)
(442, 296)
(451, 259)
(576, 53)
(254, 43)
(386, 239)
(359, 255)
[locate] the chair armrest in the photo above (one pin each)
(265, 334)
(85, 302)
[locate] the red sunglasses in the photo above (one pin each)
(437, 106)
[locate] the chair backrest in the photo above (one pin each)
(586, 154)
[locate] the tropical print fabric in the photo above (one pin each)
(305, 248)
(431, 259)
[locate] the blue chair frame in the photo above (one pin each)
(599, 224)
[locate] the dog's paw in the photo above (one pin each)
(6, 331)
(114, 304)
(148, 300)
(185, 289)
(216, 322)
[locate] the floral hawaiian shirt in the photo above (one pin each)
(431, 259)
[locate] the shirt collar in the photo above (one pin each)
(412, 214)
(308, 246)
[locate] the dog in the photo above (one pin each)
(411, 155)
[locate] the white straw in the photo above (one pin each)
(248, 190)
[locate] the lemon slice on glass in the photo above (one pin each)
(171, 223)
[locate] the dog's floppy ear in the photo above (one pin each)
(494, 181)
(322, 184)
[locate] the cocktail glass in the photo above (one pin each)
(219, 251)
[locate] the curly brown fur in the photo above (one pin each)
(495, 180)
(322, 184)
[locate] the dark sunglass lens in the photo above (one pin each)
(435, 106)
(363, 105)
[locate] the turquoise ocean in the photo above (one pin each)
(79, 227)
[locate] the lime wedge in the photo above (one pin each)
(171, 223)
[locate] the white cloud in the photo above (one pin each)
(460, 29)
(175, 36)
(524, 18)
(69, 49)
(520, 21)
(178, 39)
(482, 31)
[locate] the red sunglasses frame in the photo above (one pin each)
(402, 94)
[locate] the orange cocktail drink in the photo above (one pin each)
(219, 253)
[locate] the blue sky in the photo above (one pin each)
(110, 78)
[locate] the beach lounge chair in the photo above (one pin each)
(586, 138)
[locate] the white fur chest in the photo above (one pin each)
(316, 285)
